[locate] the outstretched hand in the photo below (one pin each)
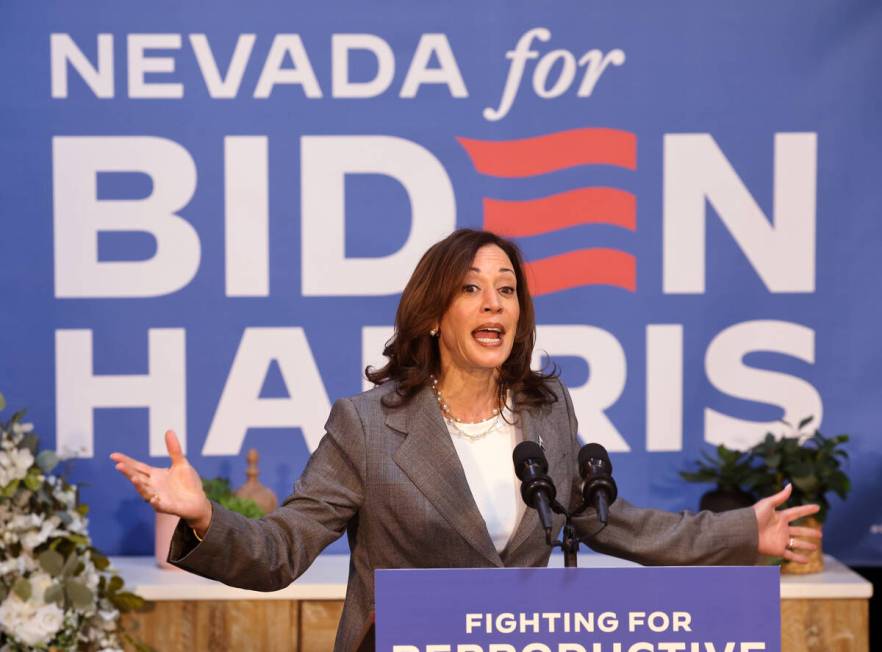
(777, 538)
(176, 490)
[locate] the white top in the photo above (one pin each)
(490, 473)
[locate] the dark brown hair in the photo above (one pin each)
(413, 353)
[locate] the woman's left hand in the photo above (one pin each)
(777, 538)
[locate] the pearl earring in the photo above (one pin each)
(433, 332)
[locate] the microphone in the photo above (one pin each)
(598, 487)
(537, 489)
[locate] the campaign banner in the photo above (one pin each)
(713, 609)
(208, 213)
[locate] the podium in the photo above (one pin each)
(664, 609)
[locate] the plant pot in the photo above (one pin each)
(165, 528)
(815, 563)
(724, 500)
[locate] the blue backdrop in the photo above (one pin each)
(208, 212)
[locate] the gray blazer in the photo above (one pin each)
(392, 480)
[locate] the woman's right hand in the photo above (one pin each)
(176, 490)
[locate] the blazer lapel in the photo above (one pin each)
(430, 460)
(536, 429)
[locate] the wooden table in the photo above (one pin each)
(824, 612)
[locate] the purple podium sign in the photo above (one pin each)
(667, 609)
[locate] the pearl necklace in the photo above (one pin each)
(455, 423)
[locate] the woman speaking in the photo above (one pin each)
(417, 471)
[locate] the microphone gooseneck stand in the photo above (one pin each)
(568, 542)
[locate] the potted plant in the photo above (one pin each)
(731, 471)
(812, 463)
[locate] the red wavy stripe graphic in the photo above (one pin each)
(583, 267)
(552, 152)
(518, 219)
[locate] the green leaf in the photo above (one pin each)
(69, 565)
(82, 509)
(22, 588)
(47, 460)
(804, 423)
(51, 562)
(32, 481)
(100, 561)
(10, 489)
(54, 593)
(244, 506)
(807, 484)
(127, 601)
(78, 593)
(2, 402)
(3, 591)
(78, 539)
(116, 583)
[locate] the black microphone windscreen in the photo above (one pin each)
(594, 451)
(528, 450)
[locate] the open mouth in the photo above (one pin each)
(489, 334)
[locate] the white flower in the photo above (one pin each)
(22, 428)
(39, 583)
(28, 622)
(21, 565)
(90, 576)
(34, 538)
(14, 465)
(24, 522)
(67, 497)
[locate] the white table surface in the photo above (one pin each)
(326, 580)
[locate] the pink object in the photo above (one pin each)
(165, 528)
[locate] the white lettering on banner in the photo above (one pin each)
(539, 622)
(79, 216)
(63, 51)
(420, 73)
(595, 62)
(664, 387)
(606, 380)
(726, 370)
(564, 79)
(325, 162)
(140, 63)
(246, 195)
(78, 391)
(226, 87)
(273, 73)
(782, 253)
(241, 406)
(547, 81)
(373, 341)
(341, 46)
